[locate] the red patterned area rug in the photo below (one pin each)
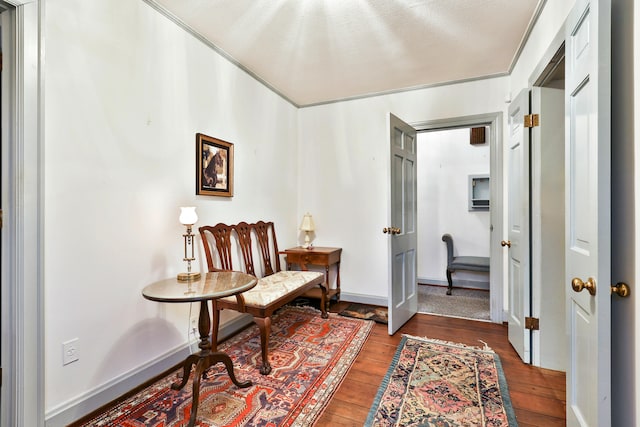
(310, 356)
(435, 383)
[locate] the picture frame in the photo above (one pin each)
(214, 166)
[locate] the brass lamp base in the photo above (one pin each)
(188, 277)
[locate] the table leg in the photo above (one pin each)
(203, 364)
(193, 359)
(338, 281)
(326, 282)
(203, 360)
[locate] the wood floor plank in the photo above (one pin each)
(538, 395)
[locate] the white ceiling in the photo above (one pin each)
(317, 51)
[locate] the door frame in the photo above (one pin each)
(547, 63)
(497, 211)
(22, 301)
(548, 343)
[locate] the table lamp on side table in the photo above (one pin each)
(307, 226)
(188, 217)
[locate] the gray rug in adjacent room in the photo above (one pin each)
(466, 303)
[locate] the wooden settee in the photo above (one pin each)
(225, 243)
(469, 263)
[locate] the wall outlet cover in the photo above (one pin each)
(70, 351)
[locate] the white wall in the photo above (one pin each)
(344, 153)
(126, 90)
(445, 161)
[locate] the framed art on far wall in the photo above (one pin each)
(214, 166)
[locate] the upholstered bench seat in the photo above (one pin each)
(280, 284)
(469, 263)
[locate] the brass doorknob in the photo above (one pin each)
(507, 243)
(622, 289)
(578, 285)
(391, 230)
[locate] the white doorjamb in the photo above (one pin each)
(22, 399)
(497, 211)
(549, 342)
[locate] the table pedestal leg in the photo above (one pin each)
(203, 360)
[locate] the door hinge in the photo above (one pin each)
(531, 120)
(532, 323)
(1, 218)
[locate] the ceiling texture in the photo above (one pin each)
(319, 51)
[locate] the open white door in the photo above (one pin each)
(518, 238)
(588, 212)
(403, 294)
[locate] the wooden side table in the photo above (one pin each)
(208, 288)
(321, 256)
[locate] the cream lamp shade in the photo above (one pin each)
(307, 223)
(307, 226)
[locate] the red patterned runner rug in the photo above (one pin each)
(435, 383)
(310, 356)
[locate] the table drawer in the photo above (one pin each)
(307, 258)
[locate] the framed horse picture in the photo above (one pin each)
(214, 166)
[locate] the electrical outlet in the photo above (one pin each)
(70, 351)
(194, 323)
(193, 330)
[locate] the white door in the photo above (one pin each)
(403, 293)
(517, 242)
(588, 212)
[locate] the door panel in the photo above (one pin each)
(403, 295)
(588, 212)
(518, 227)
(549, 344)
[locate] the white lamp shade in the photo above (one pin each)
(307, 223)
(188, 215)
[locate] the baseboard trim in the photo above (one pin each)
(427, 281)
(363, 299)
(457, 283)
(88, 402)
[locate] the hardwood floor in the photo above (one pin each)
(537, 395)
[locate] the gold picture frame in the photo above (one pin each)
(214, 166)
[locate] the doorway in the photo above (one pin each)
(453, 198)
(493, 122)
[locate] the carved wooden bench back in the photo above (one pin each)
(228, 240)
(225, 244)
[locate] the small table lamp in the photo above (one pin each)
(188, 217)
(307, 226)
